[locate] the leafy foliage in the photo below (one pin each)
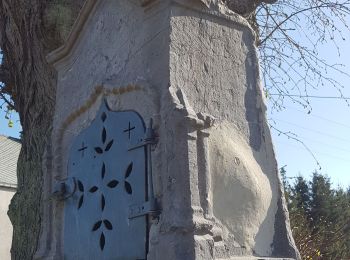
(319, 217)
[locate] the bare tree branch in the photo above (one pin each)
(291, 33)
(278, 26)
(7, 101)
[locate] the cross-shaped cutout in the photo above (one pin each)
(82, 149)
(129, 130)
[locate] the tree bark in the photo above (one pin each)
(29, 29)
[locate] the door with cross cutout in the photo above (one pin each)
(109, 178)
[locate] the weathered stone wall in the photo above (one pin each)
(6, 195)
(214, 62)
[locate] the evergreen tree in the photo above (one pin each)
(301, 195)
(321, 200)
(320, 217)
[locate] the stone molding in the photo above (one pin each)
(65, 50)
(242, 7)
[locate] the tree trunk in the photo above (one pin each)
(29, 29)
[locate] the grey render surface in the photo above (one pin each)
(9, 151)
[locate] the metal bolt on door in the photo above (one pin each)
(109, 178)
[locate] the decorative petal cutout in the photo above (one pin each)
(103, 202)
(93, 189)
(128, 170)
(103, 171)
(108, 224)
(113, 183)
(104, 135)
(81, 200)
(80, 186)
(102, 241)
(98, 150)
(103, 116)
(97, 225)
(127, 187)
(109, 145)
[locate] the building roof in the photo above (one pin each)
(9, 152)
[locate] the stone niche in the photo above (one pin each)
(193, 70)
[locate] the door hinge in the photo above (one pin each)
(150, 207)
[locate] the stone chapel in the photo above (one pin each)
(161, 146)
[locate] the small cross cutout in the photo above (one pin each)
(82, 149)
(129, 130)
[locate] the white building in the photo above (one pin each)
(9, 151)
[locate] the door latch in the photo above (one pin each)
(148, 208)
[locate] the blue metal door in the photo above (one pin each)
(109, 178)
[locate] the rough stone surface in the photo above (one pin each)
(195, 71)
(237, 6)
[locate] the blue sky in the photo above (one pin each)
(325, 131)
(4, 129)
